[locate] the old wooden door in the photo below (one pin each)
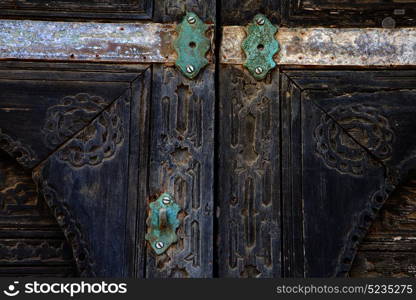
(307, 156)
(96, 137)
(279, 177)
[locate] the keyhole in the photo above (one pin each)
(192, 44)
(260, 47)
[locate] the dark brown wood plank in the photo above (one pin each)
(85, 9)
(349, 13)
(138, 175)
(248, 241)
(167, 11)
(334, 13)
(291, 157)
(241, 12)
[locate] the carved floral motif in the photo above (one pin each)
(347, 133)
(94, 131)
(70, 116)
(22, 153)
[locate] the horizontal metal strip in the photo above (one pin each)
(331, 46)
(153, 43)
(109, 42)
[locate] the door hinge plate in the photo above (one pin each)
(191, 45)
(260, 46)
(162, 223)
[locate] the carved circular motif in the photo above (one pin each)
(347, 133)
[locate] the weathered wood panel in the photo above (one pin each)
(157, 10)
(182, 154)
(349, 13)
(354, 128)
(31, 242)
(167, 11)
(389, 248)
(84, 116)
(85, 9)
(241, 12)
(58, 101)
(94, 166)
(182, 164)
(291, 156)
(334, 13)
(248, 237)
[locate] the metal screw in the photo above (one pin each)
(166, 200)
(191, 20)
(159, 245)
(260, 21)
(388, 22)
(190, 68)
(259, 70)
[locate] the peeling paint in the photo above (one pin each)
(124, 42)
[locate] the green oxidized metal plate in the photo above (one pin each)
(260, 46)
(191, 45)
(162, 223)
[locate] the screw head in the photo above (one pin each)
(258, 70)
(190, 68)
(159, 245)
(260, 21)
(191, 20)
(388, 22)
(166, 200)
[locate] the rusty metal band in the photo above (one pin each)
(103, 42)
(153, 43)
(331, 46)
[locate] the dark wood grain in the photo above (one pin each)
(235, 12)
(248, 241)
(338, 13)
(82, 115)
(356, 145)
(34, 123)
(85, 9)
(156, 10)
(389, 248)
(174, 10)
(350, 13)
(182, 154)
(182, 164)
(31, 242)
